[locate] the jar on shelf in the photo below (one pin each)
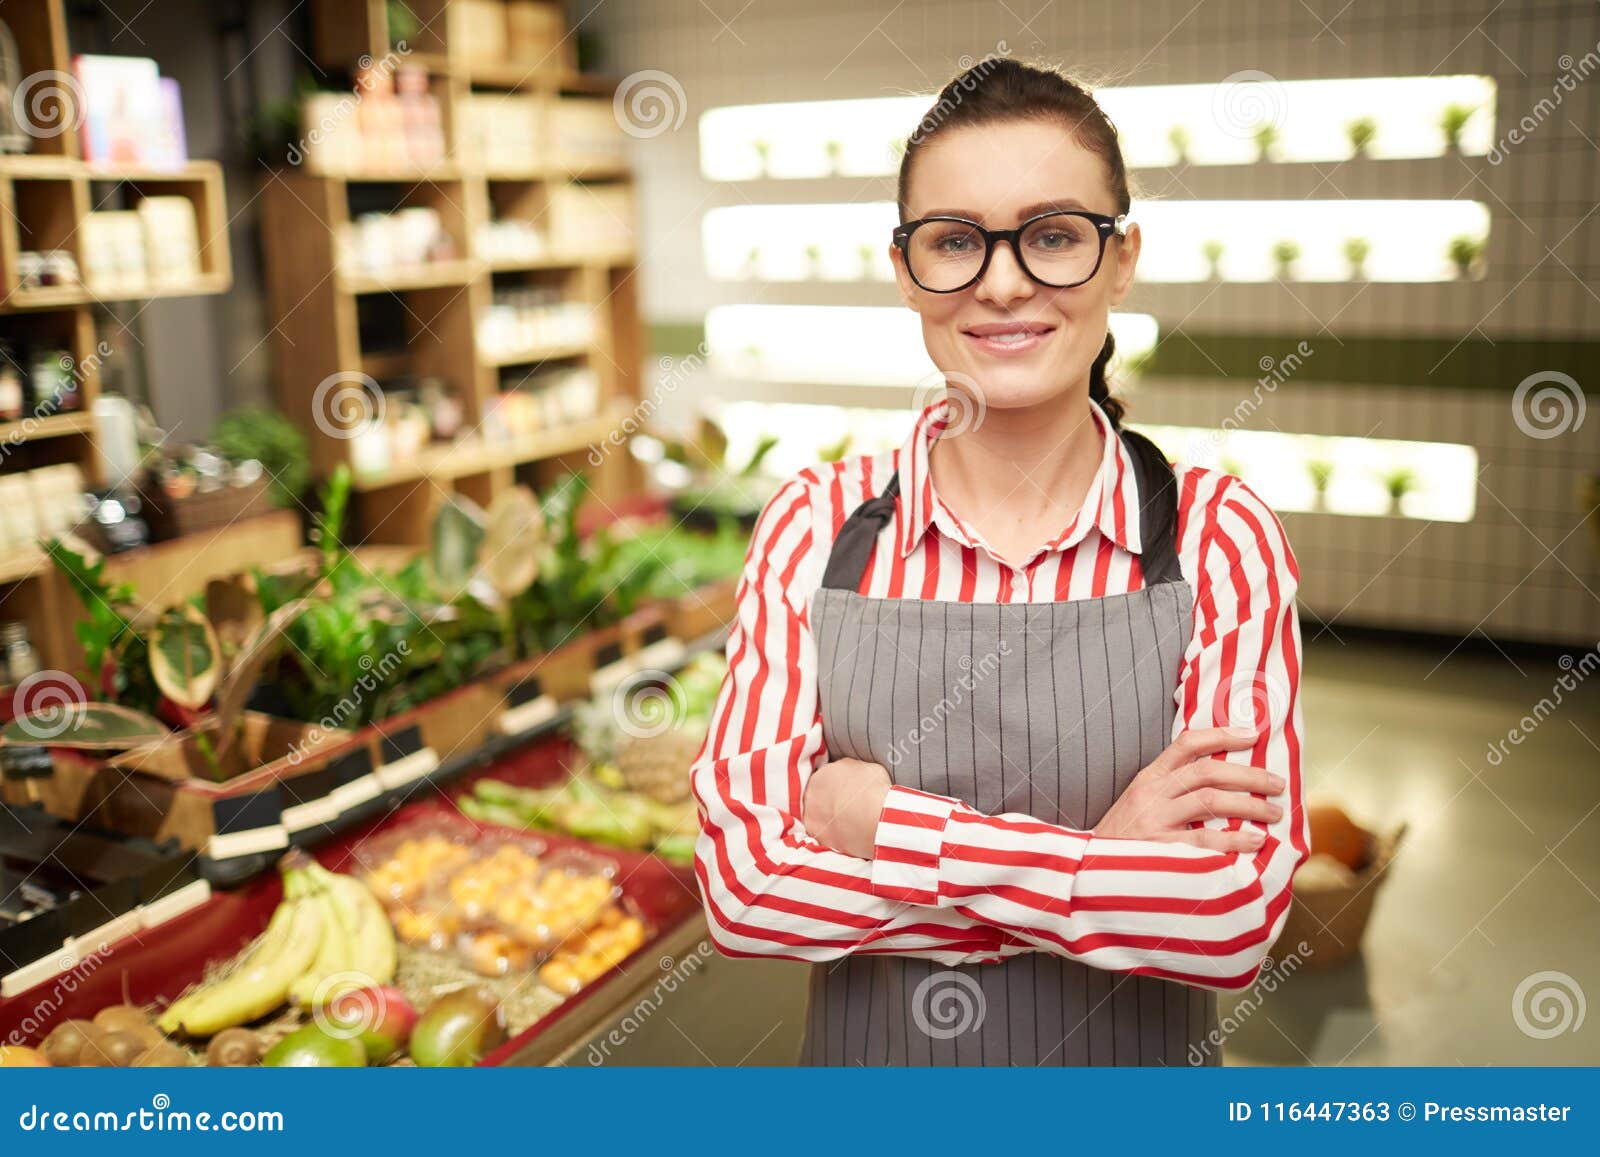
(20, 657)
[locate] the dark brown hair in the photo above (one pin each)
(998, 89)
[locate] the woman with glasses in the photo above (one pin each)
(1009, 744)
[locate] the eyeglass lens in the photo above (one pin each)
(1058, 250)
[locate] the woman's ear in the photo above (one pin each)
(902, 277)
(1127, 247)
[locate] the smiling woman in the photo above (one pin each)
(1011, 725)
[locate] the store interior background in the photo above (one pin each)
(1432, 631)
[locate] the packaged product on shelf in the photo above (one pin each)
(172, 241)
(114, 257)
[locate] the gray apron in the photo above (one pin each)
(1049, 709)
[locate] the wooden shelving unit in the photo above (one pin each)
(45, 197)
(318, 308)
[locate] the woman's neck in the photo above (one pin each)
(1022, 474)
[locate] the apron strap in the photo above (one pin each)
(1158, 522)
(857, 538)
(1158, 510)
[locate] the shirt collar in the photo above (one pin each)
(1111, 504)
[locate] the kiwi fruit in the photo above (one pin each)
(165, 1055)
(234, 1048)
(115, 1050)
(65, 1043)
(122, 1018)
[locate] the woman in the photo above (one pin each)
(1009, 744)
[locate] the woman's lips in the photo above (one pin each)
(1009, 344)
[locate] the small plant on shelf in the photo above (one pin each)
(752, 263)
(1266, 138)
(1465, 254)
(274, 441)
(1399, 481)
(1284, 254)
(1356, 250)
(867, 254)
(1320, 470)
(1178, 138)
(1452, 121)
(814, 260)
(835, 152)
(1361, 132)
(1212, 251)
(763, 151)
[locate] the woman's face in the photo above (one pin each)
(999, 175)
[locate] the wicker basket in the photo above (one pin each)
(1330, 921)
(171, 517)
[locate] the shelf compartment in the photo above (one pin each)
(472, 456)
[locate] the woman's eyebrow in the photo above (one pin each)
(1026, 212)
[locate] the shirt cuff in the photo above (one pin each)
(907, 845)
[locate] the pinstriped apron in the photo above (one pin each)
(1048, 709)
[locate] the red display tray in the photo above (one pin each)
(155, 966)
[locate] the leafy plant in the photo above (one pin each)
(1178, 138)
(1321, 472)
(1356, 250)
(1266, 138)
(1361, 132)
(115, 649)
(404, 24)
(1285, 253)
(1464, 252)
(1398, 481)
(1452, 121)
(272, 440)
(1212, 250)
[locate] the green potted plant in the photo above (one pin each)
(1398, 481)
(1212, 251)
(752, 263)
(1465, 253)
(814, 260)
(763, 150)
(1452, 121)
(274, 441)
(403, 23)
(1284, 254)
(1320, 471)
(1355, 254)
(867, 254)
(1266, 138)
(1361, 132)
(1178, 138)
(835, 152)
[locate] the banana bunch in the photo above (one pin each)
(329, 936)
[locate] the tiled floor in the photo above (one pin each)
(1497, 879)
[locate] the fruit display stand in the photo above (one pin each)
(148, 970)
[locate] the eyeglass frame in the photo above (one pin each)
(1106, 226)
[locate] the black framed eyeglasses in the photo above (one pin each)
(1058, 249)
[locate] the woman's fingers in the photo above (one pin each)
(1214, 803)
(1219, 773)
(1243, 840)
(1193, 745)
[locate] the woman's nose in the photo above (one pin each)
(1004, 280)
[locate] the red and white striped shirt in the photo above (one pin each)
(947, 882)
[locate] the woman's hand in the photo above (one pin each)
(842, 802)
(1181, 785)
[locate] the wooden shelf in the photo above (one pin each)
(55, 426)
(477, 456)
(443, 171)
(437, 275)
(16, 565)
(532, 354)
(62, 296)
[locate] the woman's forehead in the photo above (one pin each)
(998, 171)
